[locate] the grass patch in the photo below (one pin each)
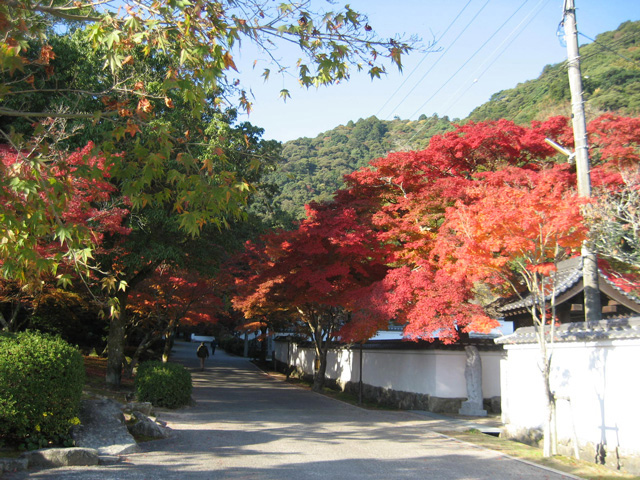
(579, 468)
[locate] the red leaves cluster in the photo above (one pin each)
(617, 140)
(89, 202)
(512, 214)
(412, 233)
(72, 190)
(323, 262)
(172, 296)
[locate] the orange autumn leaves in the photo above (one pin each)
(512, 215)
(414, 233)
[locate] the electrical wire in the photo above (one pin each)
(457, 96)
(561, 71)
(511, 37)
(469, 59)
(443, 55)
(604, 47)
(423, 58)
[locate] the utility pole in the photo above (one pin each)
(592, 306)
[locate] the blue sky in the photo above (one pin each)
(493, 45)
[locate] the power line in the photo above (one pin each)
(423, 58)
(465, 64)
(610, 49)
(442, 56)
(560, 72)
(469, 59)
(511, 38)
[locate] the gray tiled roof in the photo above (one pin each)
(614, 329)
(568, 275)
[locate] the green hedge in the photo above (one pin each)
(232, 345)
(163, 384)
(41, 381)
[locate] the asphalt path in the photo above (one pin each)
(248, 425)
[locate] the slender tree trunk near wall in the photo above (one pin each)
(115, 343)
(168, 343)
(318, 379)
(536, 283)
(321, 355)
(128, 370)
(548, 448)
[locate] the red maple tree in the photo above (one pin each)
(404, 199)
(313, 275)
(168, 298)
(67, 217)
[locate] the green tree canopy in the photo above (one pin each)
(145, 77)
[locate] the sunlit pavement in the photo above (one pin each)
(248, 425)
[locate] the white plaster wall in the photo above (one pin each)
(491, 384)
(405, 371)
(434, 372)
(280, 349)
(341, 366)
(598, 380)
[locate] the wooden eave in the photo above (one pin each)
(618, 296)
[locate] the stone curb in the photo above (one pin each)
(13, 464)
(61, 457)
(101, 440)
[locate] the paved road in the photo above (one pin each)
(247, 425)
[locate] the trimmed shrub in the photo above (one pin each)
(41, 381)
(233, 345)
(163, 384)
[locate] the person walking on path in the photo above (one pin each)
(214, 344)
(202, 353)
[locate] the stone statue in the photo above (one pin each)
(473, 376)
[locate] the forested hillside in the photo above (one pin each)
(313, 168)
(611, 81)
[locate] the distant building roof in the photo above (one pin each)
(568, 284)
(613, 329)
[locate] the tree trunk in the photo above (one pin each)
(168, 343)
(12, 324)
(548, 441)
(115, 343)
(146, 341)
(549, 448)
(263, 345)
(318, 378)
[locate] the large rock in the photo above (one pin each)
(61, 457)
(103, 428)
(13, 464)
(146, 427)
(142, 407)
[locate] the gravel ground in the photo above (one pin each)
(248, 425)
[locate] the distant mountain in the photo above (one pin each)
(611, 82)
(313, 167)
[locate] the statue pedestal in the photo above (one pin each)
(472, 409)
